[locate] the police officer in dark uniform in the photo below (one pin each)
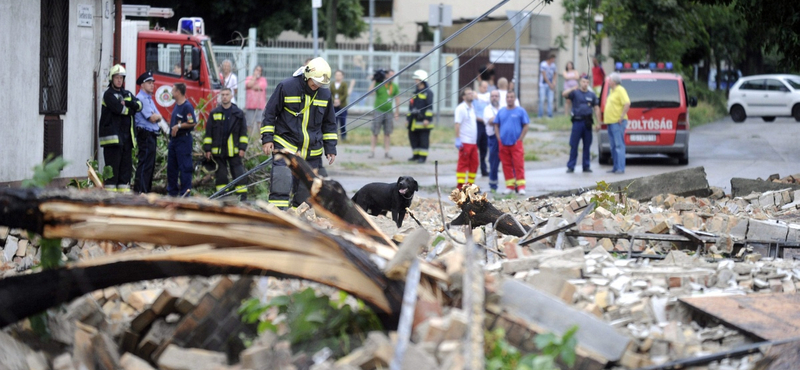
(584, 104)
(420, 118)
(116, 130)
(179, 149)
(226, 141)
(299, 117)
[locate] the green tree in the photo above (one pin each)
(654, 30)
(271, 17)
(771, 26)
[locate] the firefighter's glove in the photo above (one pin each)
(458, 143)
(132, 104)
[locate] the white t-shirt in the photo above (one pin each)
(503, 103)
(468, 131)
(488, 113)
(232, 83)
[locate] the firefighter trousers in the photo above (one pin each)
(513, 159)
(284, 189)
(234, 164)
(120, 158)
(467, 164)
(420, 141)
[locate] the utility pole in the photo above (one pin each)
(315, 4)
(519, 19)
(439, 16)
(371, 21)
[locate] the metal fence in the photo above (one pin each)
(279, 64)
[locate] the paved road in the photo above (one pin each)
(725, 149)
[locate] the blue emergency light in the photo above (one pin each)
(652, 66)
(192, 26)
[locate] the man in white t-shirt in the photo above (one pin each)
(466, 127)
(547, 85)
(229, 78)
(494, 150)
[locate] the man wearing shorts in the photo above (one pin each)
(383, 112)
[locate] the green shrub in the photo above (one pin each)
(314, 322)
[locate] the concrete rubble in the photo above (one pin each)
(748, 244)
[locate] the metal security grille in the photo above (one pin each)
(53, 57)
(53, 136)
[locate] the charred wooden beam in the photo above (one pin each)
(476, 211)
(238, 240)
(329, 198)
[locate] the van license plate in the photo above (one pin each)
(642, 138)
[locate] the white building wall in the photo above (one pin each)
(22, 142)
(78, 121)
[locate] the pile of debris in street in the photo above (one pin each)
(685, 277)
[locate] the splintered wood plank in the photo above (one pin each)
(765, 316)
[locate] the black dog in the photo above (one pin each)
(378, 198)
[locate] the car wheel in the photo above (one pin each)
(768, 119)
(737, 114)
(604, 158)
(796, 112)
(684, 158)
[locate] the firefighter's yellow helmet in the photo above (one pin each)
(319, 71)
(117, 69)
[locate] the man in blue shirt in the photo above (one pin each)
(511, 125)
(584, 104)
(179, 155)
(146, 122)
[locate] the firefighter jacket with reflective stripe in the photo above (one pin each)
(420, 108)
(119, 107)
(300, 119)
(225, 135)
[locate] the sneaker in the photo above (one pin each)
(571, 170)
(587, 170)
(521, 191)
(505, 191)
(371, 155)
(387, 156)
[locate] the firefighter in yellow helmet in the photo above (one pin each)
(420, 117)
(299, 117)
(116, 130)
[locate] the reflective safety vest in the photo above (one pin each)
(420, 108)
(300, 120)
(225, 134)
(116, 116)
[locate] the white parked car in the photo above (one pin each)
(765, 96)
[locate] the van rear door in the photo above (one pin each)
(655, 107)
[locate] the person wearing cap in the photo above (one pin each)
(585, 106)
(116, 130)
(299, 117)
(146, 130)
(420, 117)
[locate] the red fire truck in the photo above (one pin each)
(185, 56)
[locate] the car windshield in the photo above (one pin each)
(653, 93)
(794, 83)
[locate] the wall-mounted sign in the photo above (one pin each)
(85, 15)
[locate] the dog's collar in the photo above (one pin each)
(404, 196)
